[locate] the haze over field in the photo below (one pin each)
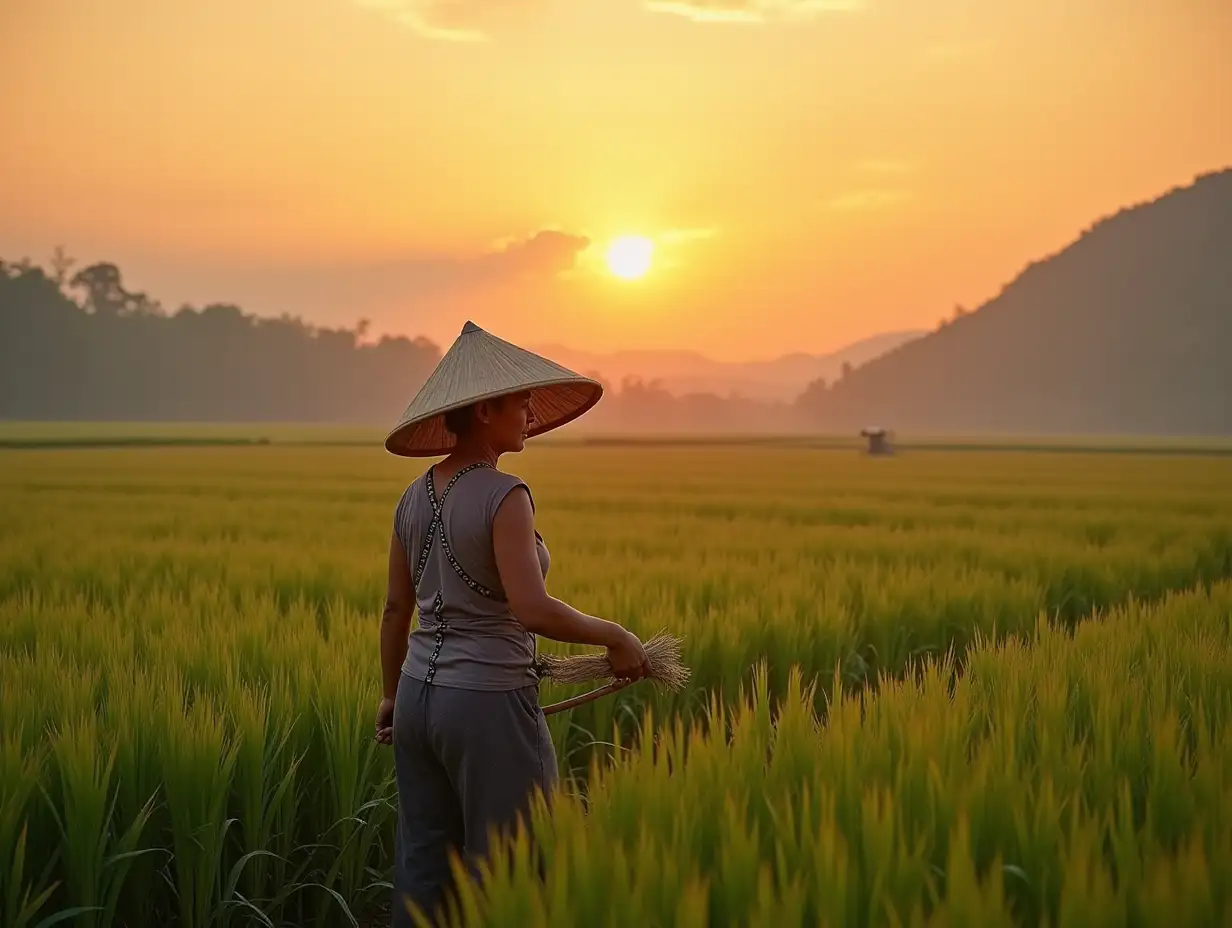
(779, 379)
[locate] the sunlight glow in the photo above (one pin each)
(628, 257)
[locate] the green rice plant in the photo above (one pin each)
(263, 791)
(358, 781)
(188, 661)
(21, 895)
(97, 847)
(1054, 780)
(134, 717)
(197, 759)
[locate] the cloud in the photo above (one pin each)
(545, 254)
(394, 293)
(751, 11)
(450, 20)
(473, 20)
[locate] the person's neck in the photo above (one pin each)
(473, 452)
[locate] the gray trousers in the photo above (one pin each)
(466, 761)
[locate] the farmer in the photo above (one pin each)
(460, 702)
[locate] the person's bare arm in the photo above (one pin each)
(517, 561)
(396, 618)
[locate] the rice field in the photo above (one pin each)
(943, 688)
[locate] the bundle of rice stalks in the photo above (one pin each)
(667, 671)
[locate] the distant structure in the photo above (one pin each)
(878, 440)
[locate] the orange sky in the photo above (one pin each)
(813, 170)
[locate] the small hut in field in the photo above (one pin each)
(878, 440)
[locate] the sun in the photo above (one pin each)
(628, 257)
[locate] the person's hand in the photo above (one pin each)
(628, 657)
(385, 722)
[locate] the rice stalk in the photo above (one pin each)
(663, 652)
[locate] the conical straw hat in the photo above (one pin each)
(480, 366)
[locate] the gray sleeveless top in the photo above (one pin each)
(466, 636)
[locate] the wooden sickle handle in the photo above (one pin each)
(586, 697)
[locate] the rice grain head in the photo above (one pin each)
(667, 670)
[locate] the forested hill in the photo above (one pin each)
(1127, 330)
(117, 355)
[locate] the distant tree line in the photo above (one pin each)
(647, 407)
(86, 348)
(82, 346)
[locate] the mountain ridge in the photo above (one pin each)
(1126, 329)
(778, 379)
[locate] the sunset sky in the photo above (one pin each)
(809, 172)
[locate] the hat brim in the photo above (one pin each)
(553, 403)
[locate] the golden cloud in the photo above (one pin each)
(545, 254)
(751, 11)
(449, 20)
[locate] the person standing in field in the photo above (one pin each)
(460, 699)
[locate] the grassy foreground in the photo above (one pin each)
(1067, 780)
(188, 672)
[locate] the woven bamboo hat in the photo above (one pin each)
(480, 366)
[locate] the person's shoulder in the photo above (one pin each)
(501, 481)
(501, 477)
(408, 492)
(500, 484)
(407, 506)
(412, 488)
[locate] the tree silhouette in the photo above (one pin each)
(104, 293)
(115, 354)
(61, 264)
